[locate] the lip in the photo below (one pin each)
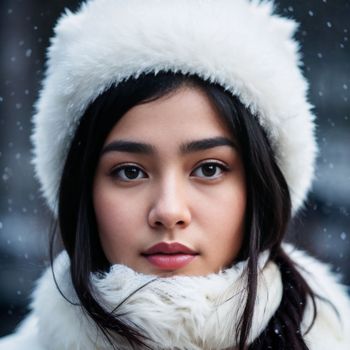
(169, 248)
(169, 256)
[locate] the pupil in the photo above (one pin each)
(131, 172)
(209, 169)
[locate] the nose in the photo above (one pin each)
(170, 207)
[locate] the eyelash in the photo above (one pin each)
(223, 168)
(115, 173)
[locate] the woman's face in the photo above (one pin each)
(170, 172)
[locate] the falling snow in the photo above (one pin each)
(325, 48)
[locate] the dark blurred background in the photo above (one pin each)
(323, 228)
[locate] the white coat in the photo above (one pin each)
(180, 312)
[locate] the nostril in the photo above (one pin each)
(159, 223)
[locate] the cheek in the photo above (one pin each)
(224, 208)
(118, 219)
(110, 212)
(224, 224)
(221, 216)
(232, 211)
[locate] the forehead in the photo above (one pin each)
(184, 114)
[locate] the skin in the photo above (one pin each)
(166, 194)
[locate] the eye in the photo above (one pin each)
(210, 170)
(128, 173)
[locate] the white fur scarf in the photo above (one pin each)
(179, 312)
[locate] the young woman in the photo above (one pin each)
(174, 142)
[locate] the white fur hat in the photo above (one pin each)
(239, 44)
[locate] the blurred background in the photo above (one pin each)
(323, 228)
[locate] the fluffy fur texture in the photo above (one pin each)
(240, 44)
(179, 312)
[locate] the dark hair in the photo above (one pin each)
(267, 216)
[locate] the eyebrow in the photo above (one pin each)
(204, 144)
(186, 148)
(129, 147)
